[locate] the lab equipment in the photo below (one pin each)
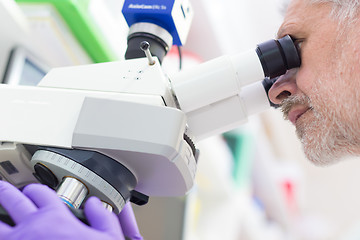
(74, 32)
(24, 68)
(14, 33)
(122, 130)
(39, 208)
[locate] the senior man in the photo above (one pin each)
(321, 97)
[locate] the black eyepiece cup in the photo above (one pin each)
(278, 56)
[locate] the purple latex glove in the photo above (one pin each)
(128, 223)
(39, 214)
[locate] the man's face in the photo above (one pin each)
(321, 97)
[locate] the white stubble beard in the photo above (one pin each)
(325, 137)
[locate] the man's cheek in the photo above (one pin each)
(304, 80)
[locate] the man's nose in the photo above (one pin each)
(284, 87)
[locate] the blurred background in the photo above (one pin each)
(253, 182)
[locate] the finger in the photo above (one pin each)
(43, 196)
(128, 223)
(15, 203)
(5, 230)
(100, 218)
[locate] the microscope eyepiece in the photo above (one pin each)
(278, 56)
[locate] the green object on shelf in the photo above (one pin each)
(242, 146)
(76, 15)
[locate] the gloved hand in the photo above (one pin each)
(128, 223)
(39, 214)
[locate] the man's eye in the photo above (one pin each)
(298, 44)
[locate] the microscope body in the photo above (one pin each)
(122, 110)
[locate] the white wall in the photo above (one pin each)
(229, 26)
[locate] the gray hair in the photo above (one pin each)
(342, 10)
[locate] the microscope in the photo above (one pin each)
(124, 131)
